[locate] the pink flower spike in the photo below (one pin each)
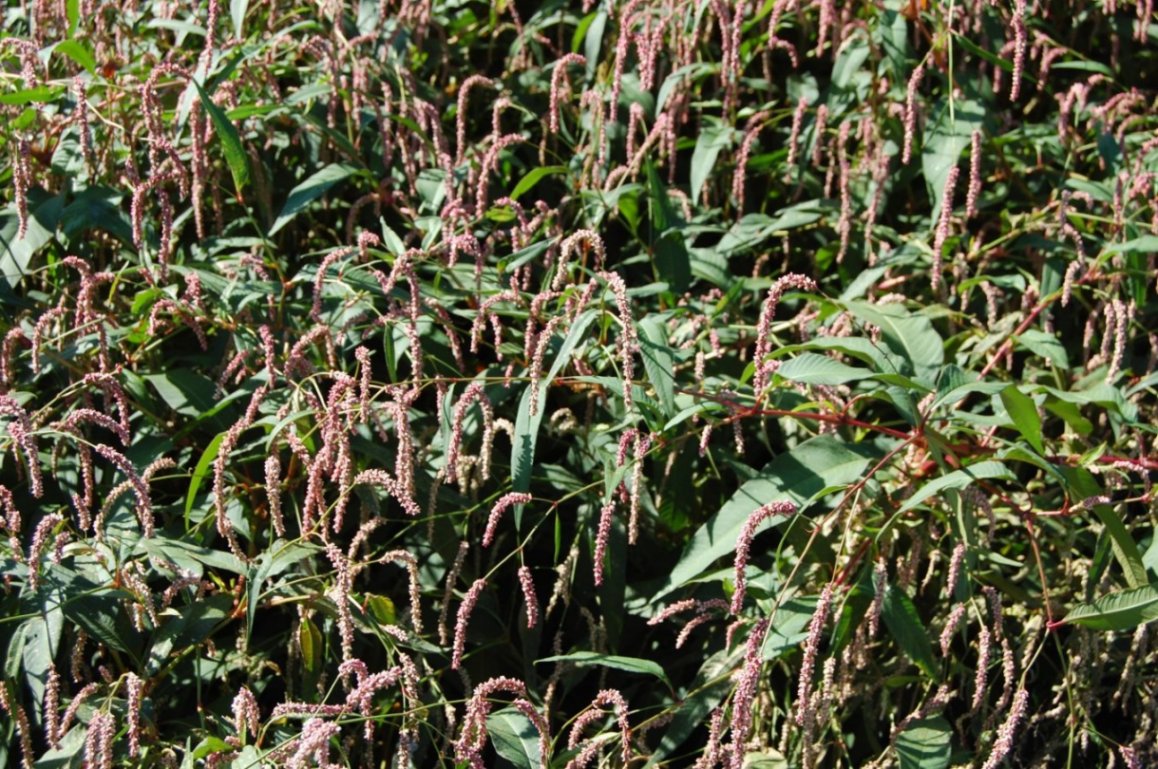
(460, 625)
(504, 502)
(529, 596)
(744, 543)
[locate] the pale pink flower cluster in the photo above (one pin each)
(751, 133)
(464, 611)
(844, 226)
(135, 690)
(713, 751)
(472, 737)
(246, 715)
(460, 117)
(1008, 730)
(558, 78)
(955, 564)
(224, 527)
(974, 191)
(22, 436)
(451, 579)
(39, 540)
(981, 675)
(642, 444)
(1021, 43)
(880, 585)
(11, 705)
(602, 537)
(764, 326)
(474, 393)
(811, 648)
(70, 712)
(530, 598)
(410, 563)
(943, 222)
(313, 744)
(794, 134)
(607, 698)
(744, 544)
(504, 503)
(818, 135)
(98, 743)
(583, 242)
(951, 625)
(704, 613)
(744, 696)
(911, 112)
(137, 482)
(382, 479)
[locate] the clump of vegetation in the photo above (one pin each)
(649, 383)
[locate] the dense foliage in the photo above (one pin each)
(661, 382)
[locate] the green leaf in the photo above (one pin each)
(310, 190)
(183, 390)
(280, 556)
(382, 609)
(658, 360)
(985, 55)
(629, 664)
(1126, 550)
(593, 41)
(41, 94)
(1147, 244)
(910, 336)
(925, 744)
(1123, 610)
(196, 622)
(877, 356)
(16, 253)
(849, 60)
(765, 759)
(672, 81)
(1023, 412)
(799, 215)
(79, 53)
(207, 458)
(41, 645)
(211, 745)
(533, 177)
(714, 136)
(790, 626)
(515, 738)
(1084, 65)
(711, 684)
(811, 368)
(310, 639)
(1046, 345)
(1071, 415)
(235, 155)
(1101, 394)
(906, 628)
(72, 13)
(798, 475)
(188, 555)
(958, 479)
(237, 9)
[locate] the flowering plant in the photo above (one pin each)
(622, 383)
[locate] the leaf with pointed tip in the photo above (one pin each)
(1123, 610)
(235, 156)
